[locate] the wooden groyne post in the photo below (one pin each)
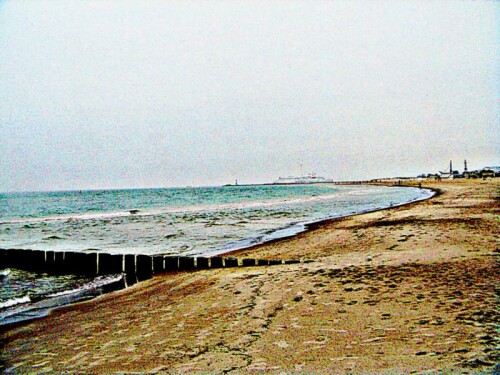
(136, 266)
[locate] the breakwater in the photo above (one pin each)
(135, 266)
(103, 272)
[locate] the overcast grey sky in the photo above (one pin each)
(105, 94)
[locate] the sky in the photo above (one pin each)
(131, 94)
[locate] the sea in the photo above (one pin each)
(192, 221)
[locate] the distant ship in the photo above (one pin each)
(311, 178)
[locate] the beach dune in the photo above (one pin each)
(408, 289)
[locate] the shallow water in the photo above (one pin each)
(28, 295)
(178, 221)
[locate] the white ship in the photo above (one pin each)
(311, 178)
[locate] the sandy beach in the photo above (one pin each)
(411, 289)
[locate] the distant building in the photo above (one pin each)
(486, 172)
(495, 170)
(449, 175)
(453, 174)
(483, 173)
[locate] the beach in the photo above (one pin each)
(408, 289)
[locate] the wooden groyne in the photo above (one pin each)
(137, 266)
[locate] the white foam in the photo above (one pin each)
(14, 302)
(5, 272)
(98, 282)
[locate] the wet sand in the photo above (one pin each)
(411, 289)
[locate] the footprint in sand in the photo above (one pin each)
(281, 344)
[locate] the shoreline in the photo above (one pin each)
(34, 313)
(311, 226)
(409, 288)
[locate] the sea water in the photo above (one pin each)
(176, 221)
